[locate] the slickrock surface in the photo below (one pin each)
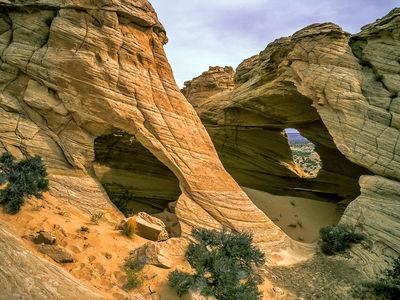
(26, 276)
(342, 93)
(74, 72)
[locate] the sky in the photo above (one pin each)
(205, 33)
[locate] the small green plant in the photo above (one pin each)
(96, 217)
(22, 179)
(84, 229)
(386, 287)
(226, 266)
(127, 231)
(337, 239)
(133, 267)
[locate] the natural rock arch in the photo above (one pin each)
(90, 70)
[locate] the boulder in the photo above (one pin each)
(44, 237)
(57, 253)
(148, 227)
(162, 254)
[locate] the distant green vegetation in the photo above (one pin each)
(21, 179)
(226, 266)
(337, 239)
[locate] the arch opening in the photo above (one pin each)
(306, 161)
(135, 180)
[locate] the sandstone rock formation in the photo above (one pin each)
(342, 93)
(211, 82)
(25, 276)
(247, 127)
(73, 72)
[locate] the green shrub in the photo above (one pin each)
(23, 179)
(133, 268)
(386, 287)
(226, 266)
(337, 239)
(127, 231)
(96, 217)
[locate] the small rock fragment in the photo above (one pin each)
(57, 253)
(44, 237)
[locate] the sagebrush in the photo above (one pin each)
(133, 268)
(337, 239)
(21, 179)
(226, 266)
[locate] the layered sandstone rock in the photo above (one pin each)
(211, 82)
(75, 71)
(342, 93)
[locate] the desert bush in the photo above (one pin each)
(385, 287)
(133, 268)
(127, 231)
(23, 179)
(337, 239)
(226, 266)
(96, 217)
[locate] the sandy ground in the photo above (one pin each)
(99, 253)
(300, 218)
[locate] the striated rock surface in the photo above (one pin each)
(72, 72)
(211, 82)
(377, 213)
(25, 276)
(342, 93)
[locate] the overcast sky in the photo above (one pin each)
(205, 33)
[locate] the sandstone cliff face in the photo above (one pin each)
(74, 72)
(342, 93)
